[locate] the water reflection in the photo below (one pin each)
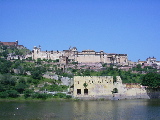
(80, 110)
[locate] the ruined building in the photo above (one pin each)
(106, 87)
(92, 86)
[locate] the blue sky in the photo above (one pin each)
(116, 26)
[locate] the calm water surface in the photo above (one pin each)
(81, 110)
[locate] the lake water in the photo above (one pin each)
(81, 110)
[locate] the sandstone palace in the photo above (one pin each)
(86, 56)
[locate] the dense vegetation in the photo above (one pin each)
(21, 78)
(15, 86)
(5, 50)
(126, 76)
(151, 80)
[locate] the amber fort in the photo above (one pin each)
(85, 56)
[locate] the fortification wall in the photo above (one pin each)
(87, 56)
(88, 59)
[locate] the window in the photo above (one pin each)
(86, 91)
(78, 91)
(78, 82)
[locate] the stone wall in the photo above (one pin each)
(102, 87)
(96, 86)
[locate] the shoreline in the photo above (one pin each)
(34, 100)
(62, 99)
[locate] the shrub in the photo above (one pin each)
(29, 80)
(3, 94)
(41, 95)
(68, 96)
(28, 93)
(12, 93)
(60, 95)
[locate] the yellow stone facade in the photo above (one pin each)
(86, 56)
(95, 86)
(104, 86)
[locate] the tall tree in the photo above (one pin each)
(151, 80)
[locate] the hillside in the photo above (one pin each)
(31, 78)
(5, 51)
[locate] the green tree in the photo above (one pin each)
(138, 67)
(39, 61)
(5, 66)
(60, 95)
(38, 72)
(7, 81)
(29, 80)
(28, 93)
(151, 80)
(20, 87)
(4, 94)
(36, 75)
(12, 93)
(85, 85)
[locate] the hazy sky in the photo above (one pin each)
(116, 26)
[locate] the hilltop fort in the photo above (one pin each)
(86, 56)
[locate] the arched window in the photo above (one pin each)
(115, 90)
